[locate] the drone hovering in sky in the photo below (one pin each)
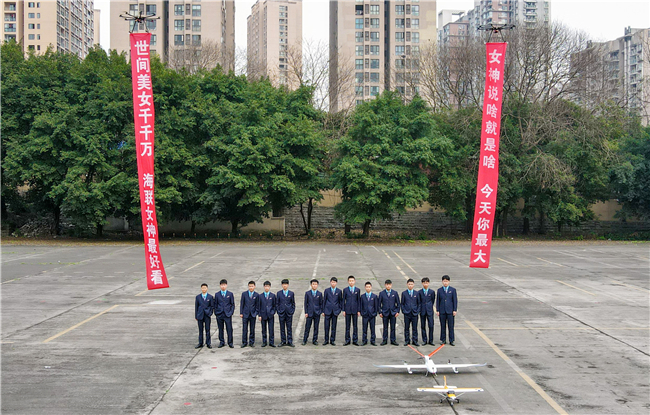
(449, 393)
(429, 365)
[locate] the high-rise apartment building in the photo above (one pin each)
(375, 45)
(190, 33)
(455, 25)
(66, 25)
(274, 46)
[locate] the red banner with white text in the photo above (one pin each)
(143, 113)
(488, 170)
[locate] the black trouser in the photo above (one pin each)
(351, 318)
(204, 323)
(446, 320)
(227, 322)
(330, 322)
(248, 322)
(369, 321)
(268, 323)
(426, 320)
(286, 321)
(389, 319)
(410, 328)
(308, 321)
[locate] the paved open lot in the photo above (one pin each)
(564, 328)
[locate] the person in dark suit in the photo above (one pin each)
(332, 306)
(313, 309)
(388, 311)
(351, 301)
(427, 299)
(248, 313)
(411, 311)
(447, 306)
(202, 313)
(266, 311)
(224, 308)
(369, 307)
(286, 306)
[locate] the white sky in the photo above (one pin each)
(601, 20)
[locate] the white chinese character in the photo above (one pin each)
(154, 261)
(149, 213)
(145, 113)
(494, 74)
(141, 47)
(490, 145)
(486, 190)
(148, 197)
(479, 256)
(144, 99)
(147, 180)
(156, 276)
(151, 230)
(489, 161)
(146, 149)
(483, 224)
(485, 208)
(494, 56)
(491, 110)
(146, 130)
(144, 82)
(481, 239)
(493, 93)
(491, 127)
(151, 246)
(142, 64)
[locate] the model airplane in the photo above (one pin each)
(429, 365)
(450, 393)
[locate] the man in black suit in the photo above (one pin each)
(447, 306)
(266, 307)
(388, 311)
(427, 299)
(248, 312)
(351, 311)
(332, 305)
(224, 308)
(410, 310)
(202, 313)
(313, 309)
(369, 309)
(286, 300)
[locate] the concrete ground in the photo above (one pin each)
(564, 328)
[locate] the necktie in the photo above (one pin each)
(266, 295)
(368, 295)
(223, 293)
(250, 294)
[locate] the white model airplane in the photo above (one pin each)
(429, 365)
(450, 393)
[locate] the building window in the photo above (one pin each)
(374, 50)
(30, 47)
(31, 5)
(399, 10)
(178, 10)
(415, 10)
(374, 63)
(399, 23)
(399, 50)
(374, 9)
(151, 24)
(179, 25)
(358, 77)
(374, 91)
(31, 15)
(154, 39)
(358, 63)
(133, 9)
(358, 50)
(358, 37)
(38, 15)
(358, 23)
(415, 37)
(283, 8)
(10, 27)
(374, 36)
(31, 26)
(31, 37)
(374, 23)
(179, 40)
(196, 10)
(358, 91)
(151, 9)
(399, 36)
(358, 10)
(374, 77)
(415, 23)
(196, 40)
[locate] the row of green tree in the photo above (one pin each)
(232, 150)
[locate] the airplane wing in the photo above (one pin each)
(443, 391)
(402, 366)
(460, 365)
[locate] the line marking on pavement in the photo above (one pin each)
(142, 292)
(617, 282)
(557, 328)
(550, 262)
(193, 266)
(572, 286)
(507, 262)
(375, 248)
(407, 264)
(396, 266)
(313, 274)
(15, 279)
(79, 324)
(588, 259)
(214, 256)
(516, 368)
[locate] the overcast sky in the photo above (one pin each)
(601, 20)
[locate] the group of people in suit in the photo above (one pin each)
(329, 304)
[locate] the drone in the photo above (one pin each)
(139, 18)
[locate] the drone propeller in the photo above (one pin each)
(416, 350)
(436, 351)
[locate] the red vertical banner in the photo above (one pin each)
(143, 114)
(488, 170)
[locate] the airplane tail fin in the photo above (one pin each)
(416, 350)
(435, 351)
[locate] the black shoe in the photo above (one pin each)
(198, 346)
(451, 344)
(441, 343)
(363, 343)
(231, 346)
(406, 344)
(346, 344)
(432, 343)
(291, 345)
(333, 344)
(326, 343)
(355, 343)
(394, 343)
(384, 343)
(282, 344)
(243, 345)
(209, 346)
(220, 346)
(251, 345)
(263, 344)
(304, 343)
(416, 344)
(316, 343)
(373, 343)
(271, 345)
